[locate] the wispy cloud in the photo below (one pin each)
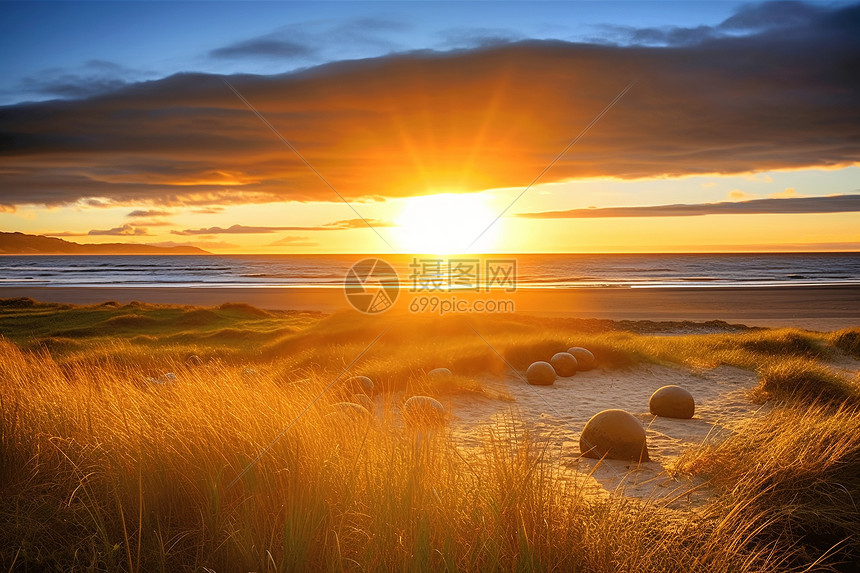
(750, 18)
(234, 230)
(148, 213)
(255, 230)
(126, 230)
(269, 47)
(198, 244)
(308, 40)
(477, 37)
(92, 78)
(832, 204)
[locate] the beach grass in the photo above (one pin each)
(238, 465)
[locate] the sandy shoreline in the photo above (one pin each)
(816, 308)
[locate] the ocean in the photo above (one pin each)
(531, 270)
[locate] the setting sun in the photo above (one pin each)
(446, 223)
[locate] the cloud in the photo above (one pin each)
(199, 244)
(121, 231)
(92, 78)
(269, 47)
(750, 18)
(737, 195)
(787, 193)
(308, 40)
(477, 37)
(233, 230)
(148, 213)
(832, 204)
(418, 123)
(247, 230)
(783, 14)
(355, 224)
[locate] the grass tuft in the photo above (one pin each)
(805, 381)
(792, 474)
(847, 340)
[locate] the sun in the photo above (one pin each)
(447, 223)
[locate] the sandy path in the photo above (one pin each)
(558, 413)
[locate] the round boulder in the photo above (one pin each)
(672, 402)
(540, 374)
(614, 434)
(584, 357)
(440, 374)
(423, 411)
(361, 384)
(564, 363)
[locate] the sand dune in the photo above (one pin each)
(558, 413)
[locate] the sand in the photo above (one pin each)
(822, 308)
(556, 414)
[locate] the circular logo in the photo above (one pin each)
(371, 286)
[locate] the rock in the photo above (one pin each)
(584, 357)
(614, 434)
(423, 411)
(672, 402)
(564, 363)
(440, 374)
(540, 374)
(361, 384)
(364, 401)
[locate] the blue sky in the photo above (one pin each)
(46, 42)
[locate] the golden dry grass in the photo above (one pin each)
(102, 471)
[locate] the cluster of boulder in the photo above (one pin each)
(614, 434)
(418, 411)
(617, 434)
(562, 364)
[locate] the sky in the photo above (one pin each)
(287, 127)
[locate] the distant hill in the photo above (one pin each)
(23, 244)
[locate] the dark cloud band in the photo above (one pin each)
(419, 123)
(794, 205)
